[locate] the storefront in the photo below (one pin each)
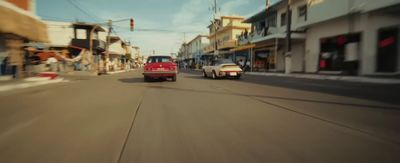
(264, 60)
(340, 53)
(388, 50)
(18, 26)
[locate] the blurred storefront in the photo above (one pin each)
(19, 25)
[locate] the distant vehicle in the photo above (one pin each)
(160, 67)
(222, 68)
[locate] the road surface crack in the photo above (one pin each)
(130, 128)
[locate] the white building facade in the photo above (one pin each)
(352, 37)
(196, 46)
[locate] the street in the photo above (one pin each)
(120, 118)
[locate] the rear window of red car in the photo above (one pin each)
(159, 59)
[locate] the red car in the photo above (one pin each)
(160, 67)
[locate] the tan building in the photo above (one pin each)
(223, 35)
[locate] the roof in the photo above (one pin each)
(88, 26)
(198, 36)
(114, 38)
(232, 17)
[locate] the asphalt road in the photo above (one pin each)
(119, 118)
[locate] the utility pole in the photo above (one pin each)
(288, 55)
(215, 28)
(107, 45)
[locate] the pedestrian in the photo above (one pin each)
(185, 65)
(15, 56)
(31, 60)
(127, 65)
(52, 62)
(241, 63)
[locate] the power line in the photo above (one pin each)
(159, 30)
(82, 10)
(89, 11)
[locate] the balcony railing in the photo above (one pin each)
(255, 35)
(227, 44)
(209, 48)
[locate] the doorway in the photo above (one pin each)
(387, 44)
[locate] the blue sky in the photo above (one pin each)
(178, 16)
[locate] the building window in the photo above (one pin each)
(261, 26)
(302, 10)
(81, 34)
(283, 19)
(271, 21)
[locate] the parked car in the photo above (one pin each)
(160, 67)
(222, 68)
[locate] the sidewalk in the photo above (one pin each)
(362, 79)
(120, 71)
(8, 84)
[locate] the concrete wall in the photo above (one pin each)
(330, 28)
(280, 61)
(297, 57)
(371, 24)
(117, 47)
(60, 33)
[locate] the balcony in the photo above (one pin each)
(85, 43)
(227, 44)
(243, 40)
(209, 49)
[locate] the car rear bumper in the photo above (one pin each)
(160, 74)
(230, 73)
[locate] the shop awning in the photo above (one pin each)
(245, 47)
(22, 23)
(279, 36)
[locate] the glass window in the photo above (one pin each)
(283, 19)
(158, 59)
(272, 21)
(81, 34)
(303, 11)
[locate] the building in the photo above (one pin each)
(267, 39)
(353, 37)
(137, 56)
(331, 37)
(196, 46)
(116, 53)
(222, 35)
(183, 52)
(87, 36)
(19, 25)
(60, 33)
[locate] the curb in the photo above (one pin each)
(121, 71)
(326, 77)
(30, 84)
